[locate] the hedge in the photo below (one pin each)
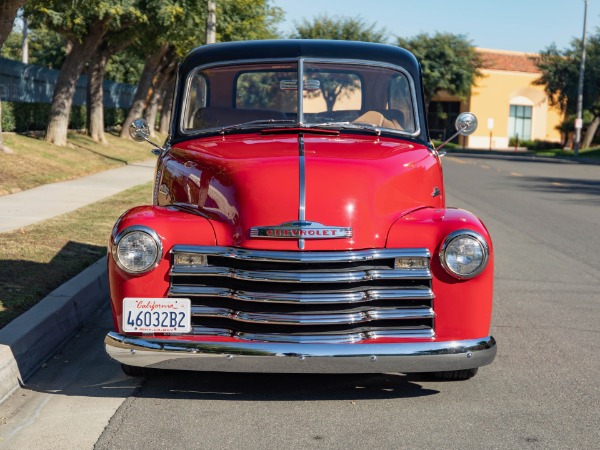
(23, 117)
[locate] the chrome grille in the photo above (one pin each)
(311, 297)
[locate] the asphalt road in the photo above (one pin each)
(542, 390)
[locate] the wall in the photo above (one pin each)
(492, 97)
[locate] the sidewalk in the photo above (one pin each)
(50, 200)
(33, 337)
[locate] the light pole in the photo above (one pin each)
(211, 22)
(579, 120)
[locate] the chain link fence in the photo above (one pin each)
(28, 83)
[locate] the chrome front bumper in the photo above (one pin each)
(266, 357)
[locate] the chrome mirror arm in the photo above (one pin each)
(140, 131)
(446, 141)
(466, 124)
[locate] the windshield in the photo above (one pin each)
(265, 95)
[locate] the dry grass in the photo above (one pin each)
(37, 259)
(36, 162)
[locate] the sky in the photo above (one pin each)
(517, 25)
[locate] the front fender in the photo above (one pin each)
(463, 307)
(173, 227)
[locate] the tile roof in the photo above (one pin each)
(505, 60)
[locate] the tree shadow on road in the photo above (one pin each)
(564, 186)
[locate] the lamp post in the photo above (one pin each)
(579, 120)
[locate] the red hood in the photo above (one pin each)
(241, 182)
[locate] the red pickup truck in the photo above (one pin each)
(299, 224)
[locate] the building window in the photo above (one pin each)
(519, 122)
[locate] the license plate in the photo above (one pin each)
(157, 315)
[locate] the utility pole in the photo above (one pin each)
(25, 42)
(579, 120)
(211, 22)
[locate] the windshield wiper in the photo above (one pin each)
(253, 123)
(347, 126)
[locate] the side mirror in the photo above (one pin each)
(466, 124)
(140, 131)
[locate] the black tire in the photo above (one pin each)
(455, 375)
(134, 371)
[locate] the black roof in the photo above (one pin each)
(295, 48)
(308, 48)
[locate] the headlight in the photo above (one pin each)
(137, 249)
(464, 254)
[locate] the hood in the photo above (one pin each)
(246, 181)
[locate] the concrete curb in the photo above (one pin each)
(30, 339)
(520, 156)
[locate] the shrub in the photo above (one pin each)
(77, 118)
(543, 145)
(8, 117)
(30, 116)
(114, 116)
(512, 142)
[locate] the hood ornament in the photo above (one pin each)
(301, 229)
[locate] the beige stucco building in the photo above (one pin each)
(505, 101)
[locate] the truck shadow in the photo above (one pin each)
(282, 387)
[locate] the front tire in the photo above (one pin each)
(455, 375)
(134, 371)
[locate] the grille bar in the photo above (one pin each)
(308, 338)
(303, 257)
(308, 298)
(302, 277)
(316, 318)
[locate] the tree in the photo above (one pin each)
(337, 28)
(178, 22)
(114, 41)
(237, 20)
(8, 12)
(448, 62)
(3, 148)
(84, 24)
(46, 48)
(160, 58)
(560, 77)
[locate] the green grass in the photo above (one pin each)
(37, 259)
(448, 146)
(592, 153)
(36, 162)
